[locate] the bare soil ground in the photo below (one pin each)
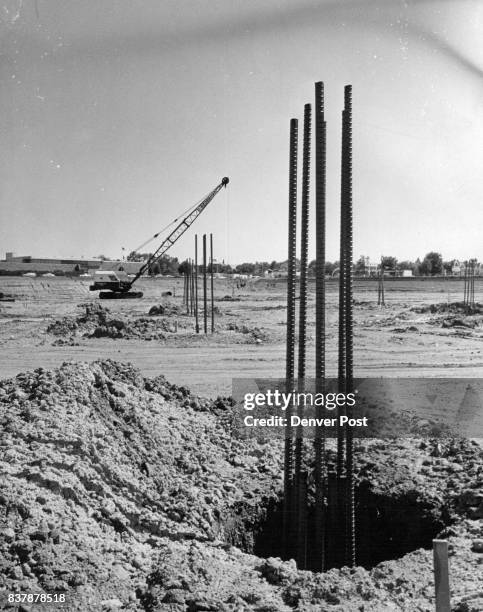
(250, 331)
(127, 492)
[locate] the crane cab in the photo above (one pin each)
(113, 284)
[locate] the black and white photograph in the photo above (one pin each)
(241, 305)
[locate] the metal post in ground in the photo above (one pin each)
(304, 241)
(342, 328)
(197, 322)
(205, 289)
(192, 290)
(473, 274)
(185, 283)
(349, 369)
(317, 562)
(290, 341)
(188, 287)
(212, 287)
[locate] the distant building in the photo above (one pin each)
(26, 263)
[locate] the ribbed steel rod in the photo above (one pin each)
(342, 314)
(192, 290)
(212, 291)
(205, 289)
(290, 340)
(349, 370)
(318, 560)
(185, 286)
(197, 322)
(304, 244)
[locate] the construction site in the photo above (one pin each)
(134, 473)
(125, 484)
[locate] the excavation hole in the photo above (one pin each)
(386, 528)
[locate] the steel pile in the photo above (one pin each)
(469, 284)
(329, 524)
(191, 286)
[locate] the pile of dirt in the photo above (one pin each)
(166, 310)
(102, 469)
(468, 322)
(128, 493)
(253, 335)
(97, 322)
(446, 307)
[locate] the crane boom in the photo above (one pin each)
(179, 230)
(120, 287)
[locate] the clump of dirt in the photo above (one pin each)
(229, 298)
(97, 322)
(167, 310)
(126, 492)
(468, 322)
(446, 307)
(403, 330)
(254, 335)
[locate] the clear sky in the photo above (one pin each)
(116, 116)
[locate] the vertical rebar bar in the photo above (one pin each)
(342, 310)
(290, 341)
(349, 370)
(318, 561)
(212, 290)
(192, 290)
(197, 322)
(205, 289)
(185, 282)
(302, 502)
(304, 241)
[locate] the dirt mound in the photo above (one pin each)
(445, 307)
(167, 310)
(468, 322)
(97, 322)
(253, 335)
(100, 467)
(126, 492)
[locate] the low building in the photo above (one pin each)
(26, 263)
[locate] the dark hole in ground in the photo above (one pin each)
(386, 528)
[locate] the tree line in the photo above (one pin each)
(431, 265)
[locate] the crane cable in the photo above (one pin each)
(183, 214)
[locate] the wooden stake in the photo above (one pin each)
(441, 575)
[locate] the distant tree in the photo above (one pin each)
(388, 262)
(405, 265)
(448, 266)
(183, 267)
(417, 267)
(360, 266)
(102, 258)
(261, 266)
(330, 267)
(154, 269)
(245, 268)
(166, 265)
(135, 256)
(274, 265)
(432, 264)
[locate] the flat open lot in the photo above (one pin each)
(250, 331)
